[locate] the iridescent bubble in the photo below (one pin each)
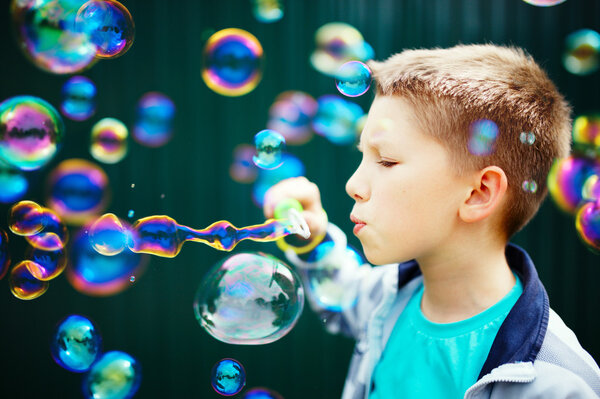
(249, 299)
(92, 273)
(109, 26)
(267, 11)
(527, 138)
(108, 235)
(78, 98)
(336, 44)
(4, 254)
(242, 169)
(529, 186)
(116, 375)
(78, 190)
(353, 79)
(228, 377)
(261, 393)
(25, 218)
(591, 188)
(482, 137)
(46, 33)
(46, 265)
(544, 3)
(269, 147)
(587, 224)
(566, 179)
(13, 184)
(291, 115)
(130, 213)
(22, 283)
(154, 120)
(31, 132)
(336, 119)
(586, 135)
(582, 48)
(232, 62)
(53, 236)
(75, 343)
(292, 166)
(109, 140)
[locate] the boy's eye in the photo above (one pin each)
(386, 164)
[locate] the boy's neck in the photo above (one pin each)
(460, 286)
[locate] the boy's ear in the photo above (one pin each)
(486, 195)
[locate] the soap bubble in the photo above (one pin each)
(22, 283)
(46, 33)
(353, 79)
(53, 236)
(13, 184)
(582, 48)
(31, 132)
(92, 273)
(527, 138)
(267, 11)
(242, 169)
(108, 235)
(336, 119)
(529, 186)
(4, 254)
(249, 299)
(566, 179)
(261, 393)
(291, 115)
(291, 166)
(336, 44)
(228, 377)
(78, 190)
(78, 98)
(544, 3)
(269, 146)
(109, 26)
(25, 218)
(591, 188)
(587, 224)
(75, 343)
(586, 135)
(116, 375)
(232, 62)
(109, 140)
(482, 137)
(154, 120)
(46, 265)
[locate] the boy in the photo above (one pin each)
(456, 311)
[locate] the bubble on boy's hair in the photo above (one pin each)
(544, 3)
(482, 137)
(587, 224)
(529, 186)
(527, 138)
(582, 48)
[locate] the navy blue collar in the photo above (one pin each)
(521, 335)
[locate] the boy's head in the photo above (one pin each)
(450, 89)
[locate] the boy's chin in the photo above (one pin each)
(377, 258)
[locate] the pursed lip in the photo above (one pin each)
(359, 224)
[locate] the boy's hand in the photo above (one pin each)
(307, 193)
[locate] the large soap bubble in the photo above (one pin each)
(566, 180)
(31, 131)
(76, 343)
(249, 298)
(116, 375)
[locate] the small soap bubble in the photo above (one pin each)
(228, 377)
(13, 184)
(154, 119)
(78, 98)
(53, 236)
(108, 235)
(232, 62)
(249, 299)
(527, 138)
(529, 186)
(25, 218)
(482, 137)
(32, 132)
(109, 140)
(566, 179)
(22, 283)
(353, 79)
(267, 11)
(582, 52)
(132, 185)
(46, 33)
(4, 254)
(242, 169)
(116, 375)
(132, 279)
(544, 3)
(75, 343)
(78, 190)
(336, 119)
(291, 114)
(109, 26)
(130, 213)
(46, 265)
(269, 147)
(261, 393)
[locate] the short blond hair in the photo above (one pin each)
(451, 88)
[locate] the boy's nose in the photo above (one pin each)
(356, 190)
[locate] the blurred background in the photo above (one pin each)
(189, 177)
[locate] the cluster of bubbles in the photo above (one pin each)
(228, 377)
(267, 11)
(232, 62)
(353, 79)
(78, 98)
(67, 36)
(76, 345)
(109, 140)
(582, 52)
(572, 181)
(154, 119)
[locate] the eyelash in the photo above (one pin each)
(386, 164)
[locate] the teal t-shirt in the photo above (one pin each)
(423, 359)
